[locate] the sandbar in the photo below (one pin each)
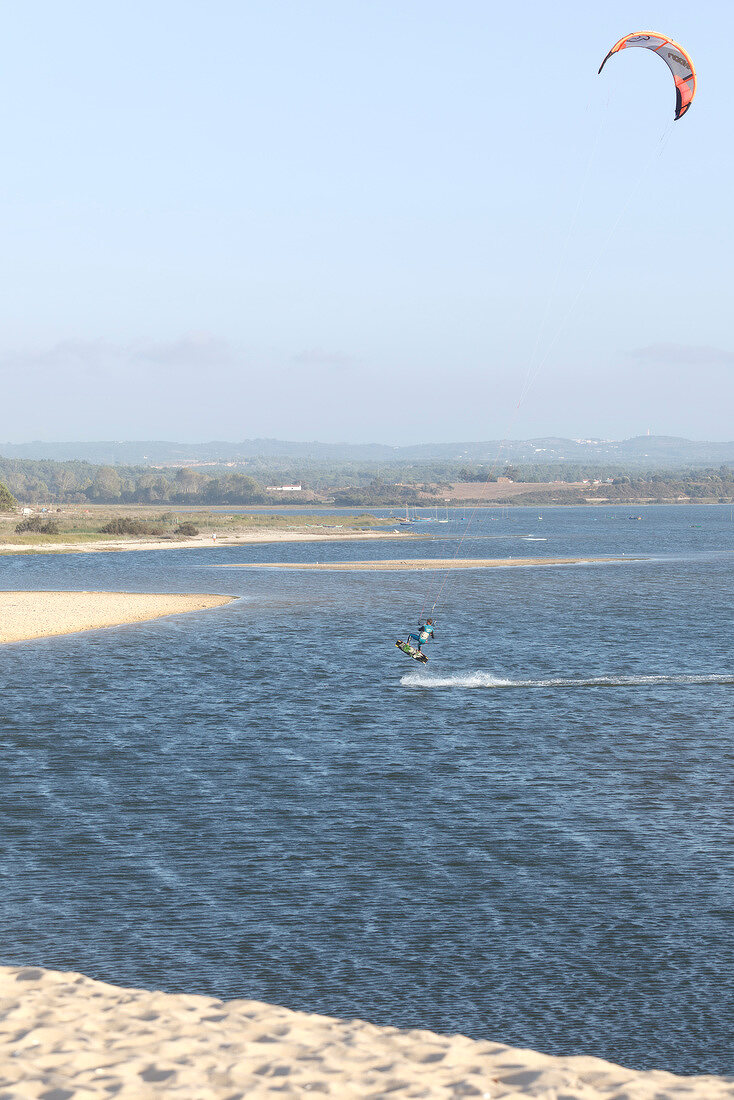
(67, 1037)
(420, 563)
(26, 615)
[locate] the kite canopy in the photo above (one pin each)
(674, 56)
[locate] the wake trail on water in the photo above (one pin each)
(481, 679)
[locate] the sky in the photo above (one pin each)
(363, 220)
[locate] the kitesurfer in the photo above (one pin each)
(425, 634)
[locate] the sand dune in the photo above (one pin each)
(67, 1037)
(419, 563)
(25, 615)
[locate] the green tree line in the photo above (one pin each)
(367, 484)
(7, 501)
(80, 482)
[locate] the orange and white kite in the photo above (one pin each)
(674, 56)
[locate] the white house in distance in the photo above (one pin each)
(284, 488)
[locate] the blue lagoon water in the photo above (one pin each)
(530, 839)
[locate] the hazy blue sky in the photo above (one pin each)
(359, 219)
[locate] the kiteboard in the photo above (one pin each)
(412, 651)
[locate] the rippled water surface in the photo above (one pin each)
(530, 839)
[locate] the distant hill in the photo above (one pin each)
(654, 451)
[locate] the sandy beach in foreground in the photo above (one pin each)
(419, 563)
(26, 615)
(64, 1036)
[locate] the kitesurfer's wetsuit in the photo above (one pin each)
(426, 634)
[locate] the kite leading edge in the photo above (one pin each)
(674, 56)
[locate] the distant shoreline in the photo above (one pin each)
(200, 542)
(229, 534)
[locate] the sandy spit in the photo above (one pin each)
(26, 615)
(420, 563)
(198, 542)
(66, 1037)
